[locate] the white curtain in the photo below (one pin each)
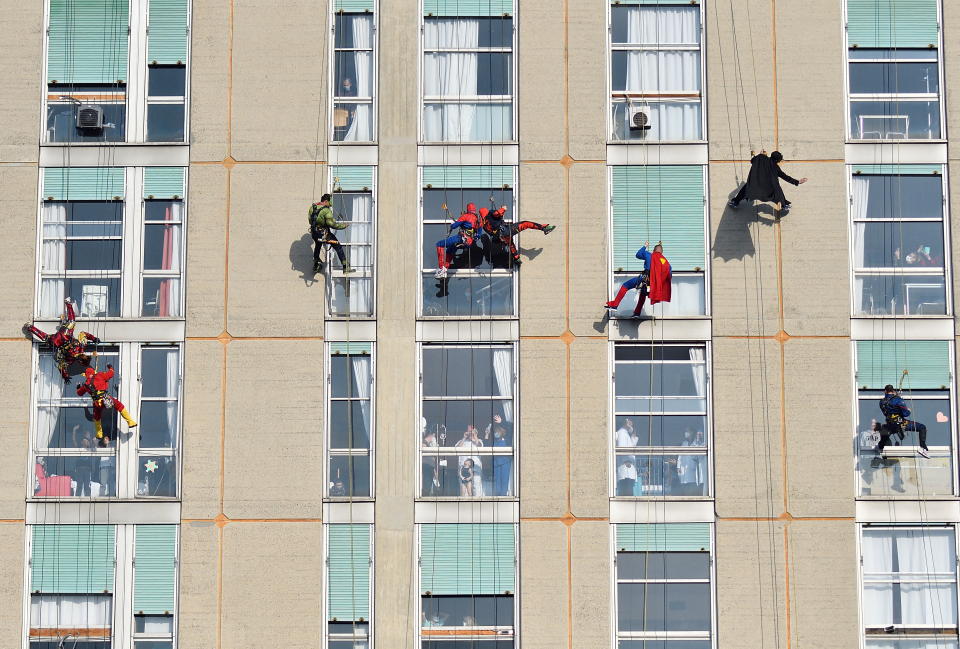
(53, 258)
(663, 26)
(451, 75)
(686, 298)
(503, 371)
(859, 200)
(699, 371)
(940, 642)
(360, 230)
(71, 611)
(468, 122)
(361, 129)
(172, 254)
(50, 388)
(362, 381)
(661, 72)
(359, 300)
(173, 392)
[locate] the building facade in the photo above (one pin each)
(378, 457)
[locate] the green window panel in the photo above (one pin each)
(351, 348)
(928, 364)
(74, 559)
(155, 569)
(467, 559)
(467, 7)
(348, 572)
(83, 183)
(163, 182)
(168, 31)
(353, 6)
(88, 41)
(892, 23)
(659, 3)
(898, 169)
(659, 203)
(471, 176)
(353, 179)
(663, 537)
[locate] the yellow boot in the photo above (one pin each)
(99, 426)
(126, 417)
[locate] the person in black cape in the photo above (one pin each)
(763, 183)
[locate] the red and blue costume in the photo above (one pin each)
(503, 233)
(462, 233)
(654, 281)
(67, 348)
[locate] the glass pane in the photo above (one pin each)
(655, 72)
(688, 298)
(79, 644)
(56, 615)
(900, 642)
(160, 210)
(467, 371)
(448, 642)
(662, 475)
(348, 628)
(350, 375)
(454, 75)
(161, 297)
(660, 430)
(678, 120)
(474, 474)
(153, 623)
(165, 122)
(899, 54)
(352, 74)
(353, 30)
(158, 424)
(157, 644)
(351, 296)
(933, 413)
(460, 32)
(102, 254)
(469, 295)
(157, 476)
(898, 244)
(91, 476)
(160, 372)
(899, 197)
(899, 295)
(354, 207)
(62, 124)
(161, 247)
(663, 607)
(658, 352)
(673, 379)
(72, 427)
(663, 565)
(894, 78)
(467, 610)
(346, 471)
(167, 80)
(82, 211)
(668, 25)
(347, 644)
(350, 424)
(457, 199)
(450, 420)
(894, 120)
(468, 122)
(352, 122)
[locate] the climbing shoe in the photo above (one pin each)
(547, 229)
(922, 452)
(317, 266)
(441, 273)
(348, 269)
(517, 262)
(733, 204)
(611, 305)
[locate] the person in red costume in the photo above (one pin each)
(67, 348)
(466, 227)
(97, 386)
(654, 280)
(503, 233)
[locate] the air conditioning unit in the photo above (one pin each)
(89, 116)
(640, 118)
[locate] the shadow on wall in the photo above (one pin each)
(301, 259)
(733, 239)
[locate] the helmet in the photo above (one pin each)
(484, 211)
(471, 208)
(89, 372)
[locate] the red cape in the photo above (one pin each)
(660, 275)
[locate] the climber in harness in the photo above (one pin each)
(97, 386)
(499, 235)
(763, 183)
(67, 347)
(895, 409)
(322, 226)
(653, 280)
(461, 235)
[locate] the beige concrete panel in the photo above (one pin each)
(206, 250)
(21, 68)
(748, 465)
(400, 99)
(591, 567)
(279, 80)
(953, 206)
(541, 279)
(951, 71)
(274, 449)
(18, 216)
(743, 260)
(823, 584)
(739, 62)
(589, 432)
(273, 290)
(820, 479)
(816, 299)
(587, 246)
(272, 585)
(199, 557)
(16, 361)
(11, 584)
(541, 92)
(202, 409)
(210, 57)
(544, 585)
(543, 428)
(751, 598)
(810, 46)
(396, 600)
(586, 79)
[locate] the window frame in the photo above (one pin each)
(329, 451)
(655, 451)
(424, 99)
(328, 637)
(451, 451)
(374, 50)
(335, 271)
(612, 95)
(940, 272)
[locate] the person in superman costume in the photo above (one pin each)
(653, 280)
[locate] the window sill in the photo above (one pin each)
(899, 141)
(118, 144)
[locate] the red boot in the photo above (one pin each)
(615, 303)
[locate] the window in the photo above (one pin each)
(349, 419)
(909, 598)
(113, 255)
(655, 77)
(81, 574)
(70, 461)
(353, 203)
(660, 203)
(893, 467)
(354, 74)
(480, 279)
(894, 76)
(349, 568)
(467, 417)
(467, 586)
(468, 71)
(898, 240)
(661, 430)
(88, 56)
(663, 586)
